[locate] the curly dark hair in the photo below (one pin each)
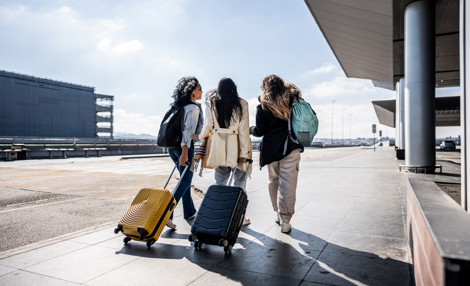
(227, 102)
(184, 90)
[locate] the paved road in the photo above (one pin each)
(42, 199)
(349, 228)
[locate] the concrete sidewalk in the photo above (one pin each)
(349, 228)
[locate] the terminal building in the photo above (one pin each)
(414, 47)
(38, 107)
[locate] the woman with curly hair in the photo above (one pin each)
(185, 95)
(281, 155)
(228, 121)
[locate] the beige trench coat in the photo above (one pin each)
(228, 144)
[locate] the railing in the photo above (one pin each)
(101, 108)
(99, 118)
(104, 129)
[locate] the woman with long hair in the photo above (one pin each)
(185, 95)
(227, 121)
(277, 151)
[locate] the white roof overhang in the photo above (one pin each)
(360, 34)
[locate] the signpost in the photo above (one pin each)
(374, 130)
(380, 139)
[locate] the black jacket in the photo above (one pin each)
(274, 132)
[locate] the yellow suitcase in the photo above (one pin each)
(148, 214)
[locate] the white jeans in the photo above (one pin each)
(222, 175)
(282, 184)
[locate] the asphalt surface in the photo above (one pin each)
(348, 229)
(43, 199)
(31, 216)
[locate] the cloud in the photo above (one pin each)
(339, 86)
(324, 69)
(166, 64)
(120, 49)
(136, 123)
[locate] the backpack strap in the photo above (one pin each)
(289, 130)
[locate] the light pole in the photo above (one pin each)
(350, 137)
(342, 127)
(332, 121)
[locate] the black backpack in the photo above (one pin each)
(171, 128)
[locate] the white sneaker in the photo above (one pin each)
(246, 221)
(170, 224)
(285, 227)
(277, 218)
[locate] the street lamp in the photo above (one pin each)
(350, 137)
(342, 127)
(332, 121)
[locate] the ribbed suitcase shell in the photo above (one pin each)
(220, 215)
(150, 210)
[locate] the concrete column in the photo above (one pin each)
(464, 103)
(420, 114)
(397, 121)
(400, 115)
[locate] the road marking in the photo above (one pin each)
(18, 209)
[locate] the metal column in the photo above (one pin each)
(420, 114)
(400, 115)
(464, 103)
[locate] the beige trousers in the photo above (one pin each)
(282, 184)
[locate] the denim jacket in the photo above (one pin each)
(193, 121)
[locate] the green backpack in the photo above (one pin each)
(303, 123)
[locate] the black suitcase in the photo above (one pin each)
(220, 216)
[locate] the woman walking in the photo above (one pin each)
(185, 95)
(227, 121)
(280, 154)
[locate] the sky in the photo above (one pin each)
(138, 50)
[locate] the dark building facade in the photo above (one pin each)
(34, 106)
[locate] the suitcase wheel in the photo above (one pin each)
(228, 249)
(150, 242)
(198, 244)
(142, 233)
(126, 240)
(223, 242)
(118, 229)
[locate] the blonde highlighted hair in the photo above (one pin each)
(293, 91)
(274, 97)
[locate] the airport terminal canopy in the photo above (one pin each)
(367, 38)
(447, 111)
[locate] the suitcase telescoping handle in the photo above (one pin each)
(181, 177)
(250, 163)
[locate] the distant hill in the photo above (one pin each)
(122, 135)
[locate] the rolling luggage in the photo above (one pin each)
(148, 214)
(220, 216)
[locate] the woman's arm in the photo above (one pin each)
(244, 140)
(191, 116)
(208, 122)
(261, 123)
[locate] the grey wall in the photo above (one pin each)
(31, 106)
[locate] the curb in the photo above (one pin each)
(145, 156)
(54, 240)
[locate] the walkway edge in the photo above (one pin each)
(54, 240)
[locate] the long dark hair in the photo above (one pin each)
(274, 97)
(227, 102)
(184, 90)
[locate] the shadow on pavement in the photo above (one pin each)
(274, 258)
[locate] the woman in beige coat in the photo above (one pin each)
(227, 121)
